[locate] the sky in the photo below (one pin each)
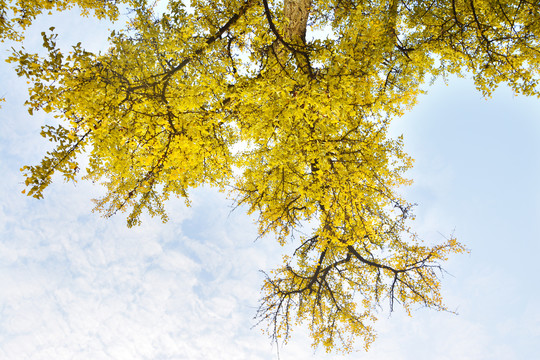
(77, 286)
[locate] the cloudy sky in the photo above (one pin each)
(76, 286)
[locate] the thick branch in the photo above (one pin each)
(289, 46)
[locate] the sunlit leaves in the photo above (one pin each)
(295, 98)
(17, 15)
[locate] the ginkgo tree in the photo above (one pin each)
(286, 105)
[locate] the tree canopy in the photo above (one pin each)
(286, 105)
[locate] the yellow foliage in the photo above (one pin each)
(161, 111)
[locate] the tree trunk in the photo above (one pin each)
(297, 13)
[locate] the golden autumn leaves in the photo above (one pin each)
(164, 109)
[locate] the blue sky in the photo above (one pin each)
(75, 285)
